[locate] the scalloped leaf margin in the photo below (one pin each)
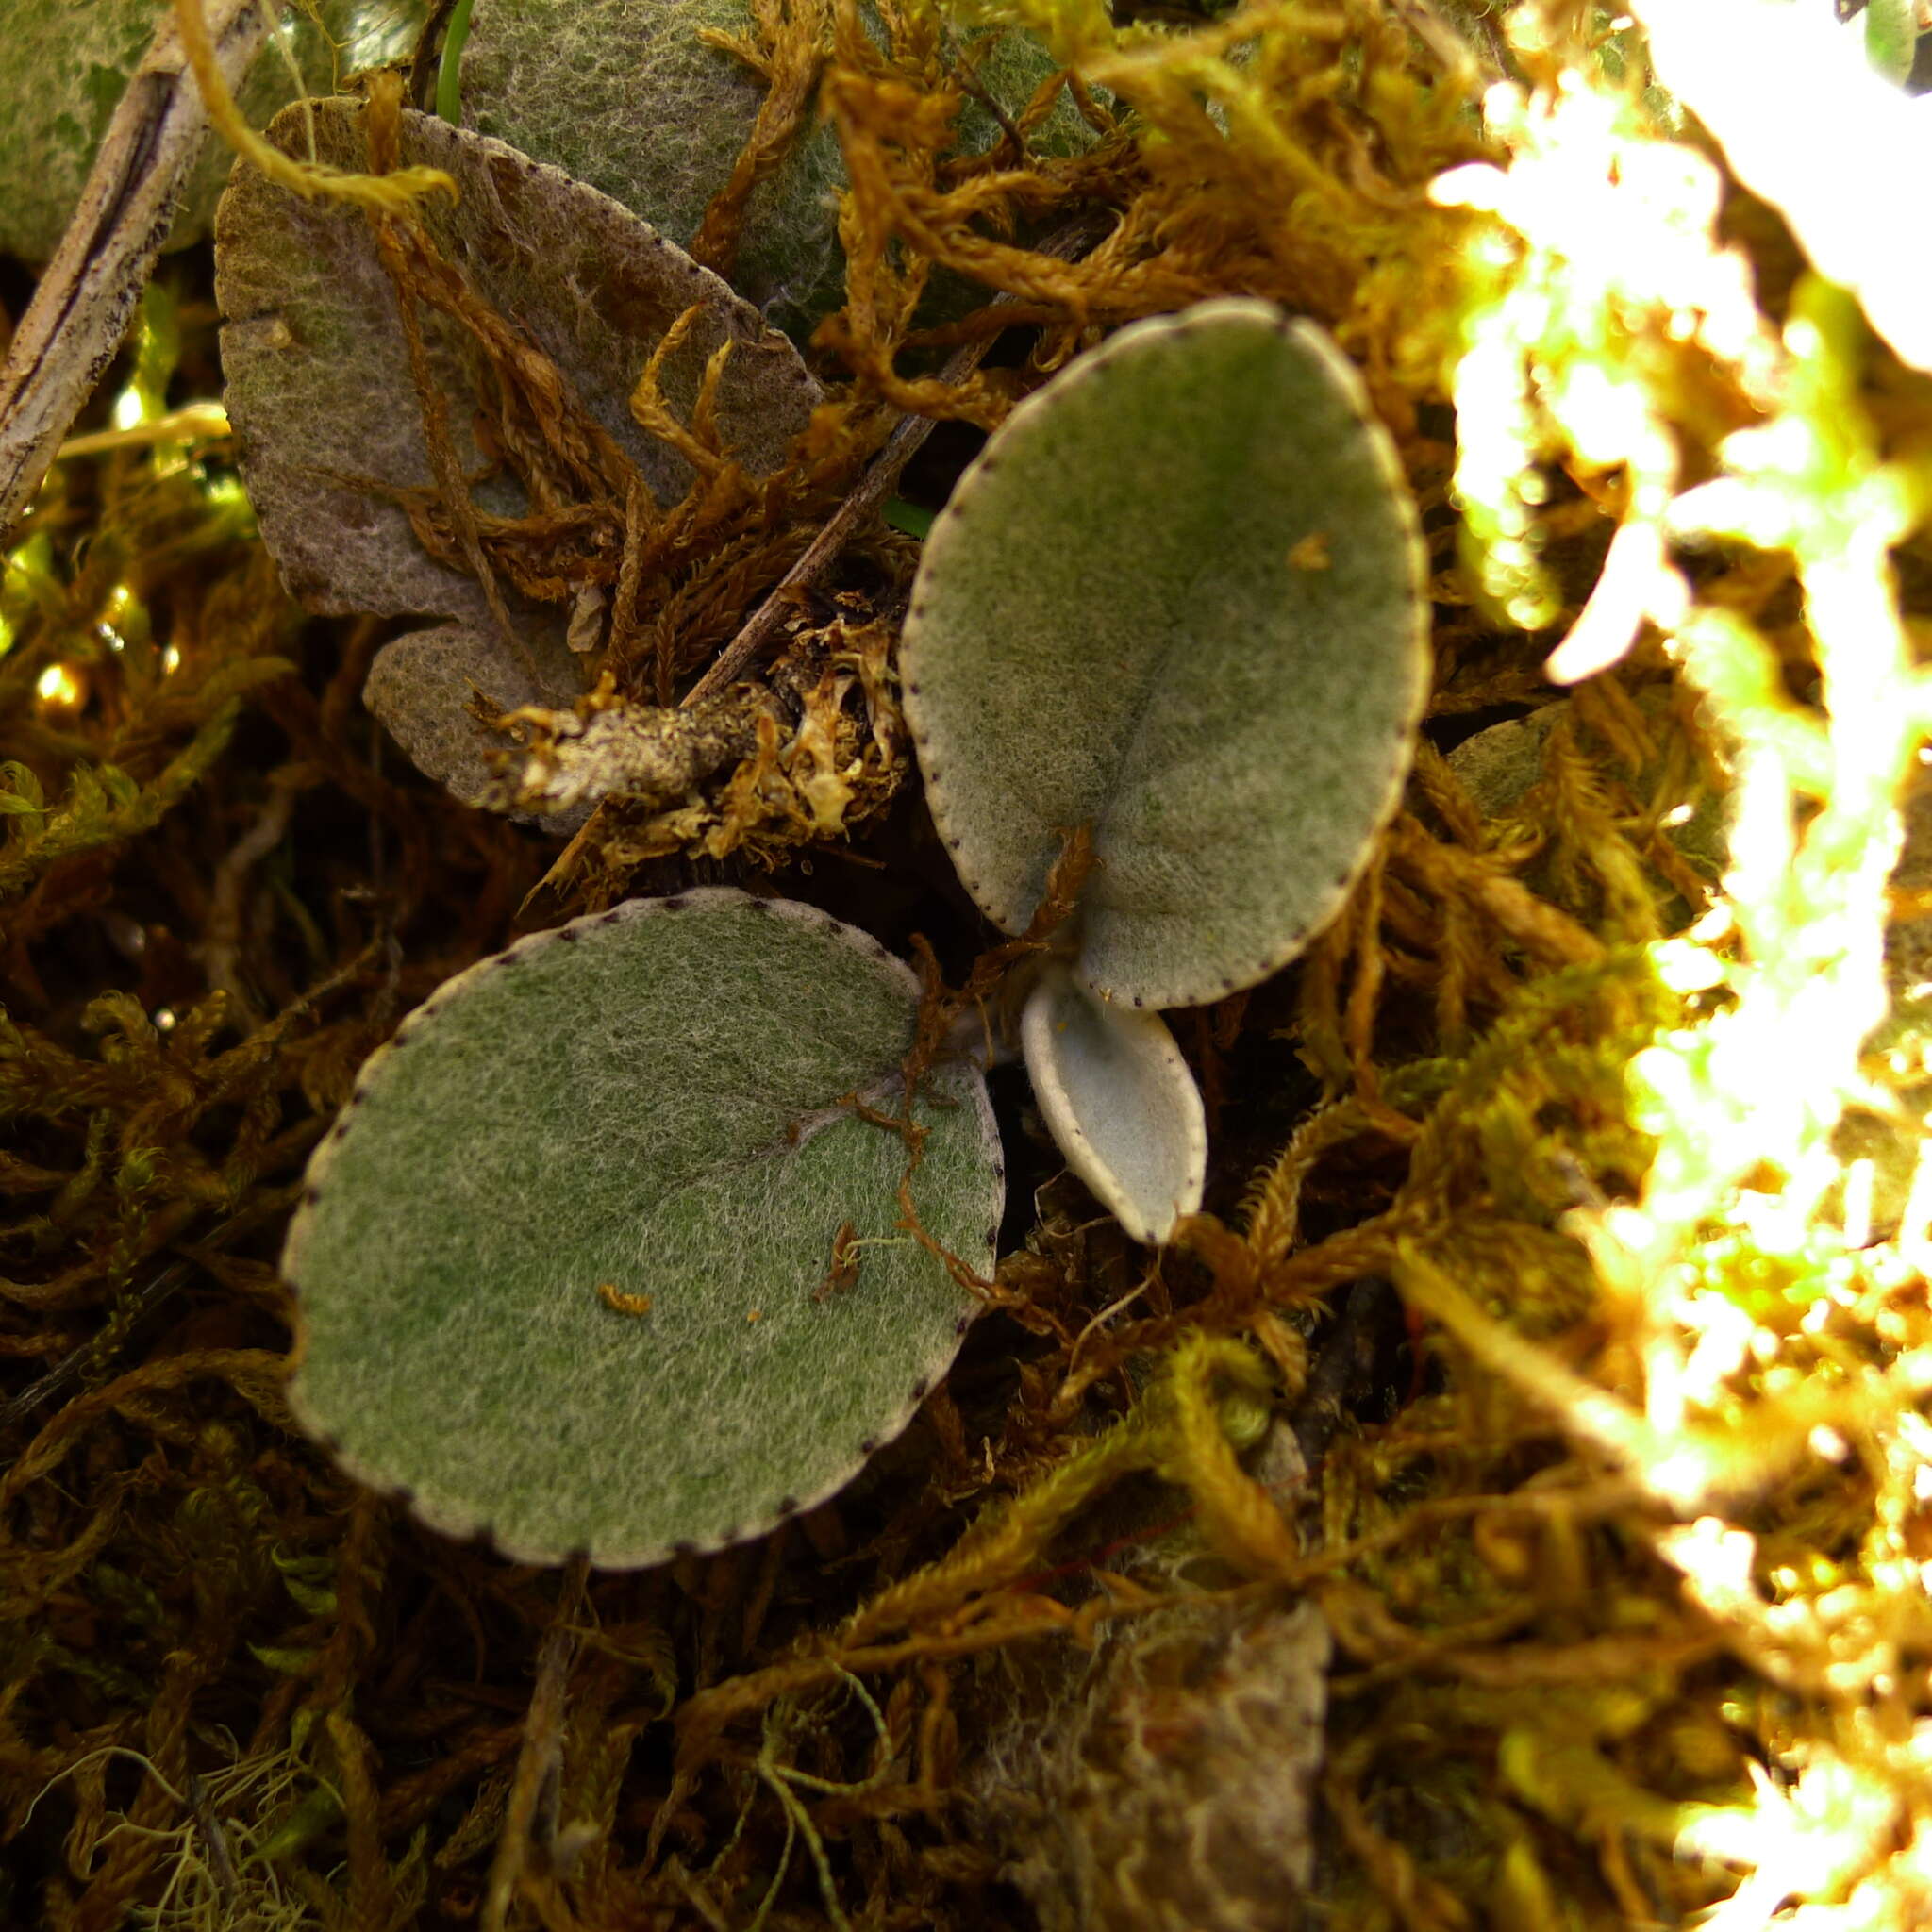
(1178, 598)
(640, 1107)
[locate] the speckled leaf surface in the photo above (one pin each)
(1179, 599)
(69, 63)
(318, 372)
(648, 1099)
(1119, 1101)
(422, 683)
(623, 94)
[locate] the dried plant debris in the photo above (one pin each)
(657, 101)
(70, 61)
(649, 755)
(808, 754)
(559, 1260)
(1175, 1786)
(1164, 1780)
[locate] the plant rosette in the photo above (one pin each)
(1178, 601)
(622, 1177)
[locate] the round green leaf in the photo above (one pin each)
(652, 1102)
(1179, 599)
(68, 64)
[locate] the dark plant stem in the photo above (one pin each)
(1343, 1376)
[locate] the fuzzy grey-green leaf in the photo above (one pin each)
(647, 1103)
(626, 95)
(1177, 599)
(1119, 1101)
(318, 371)
(423, 684)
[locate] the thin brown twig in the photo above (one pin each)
(1066, 244)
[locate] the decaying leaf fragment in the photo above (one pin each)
(805, 757)
(1608, 805)
(1166, 1777)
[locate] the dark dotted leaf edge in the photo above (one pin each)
(464, 1526)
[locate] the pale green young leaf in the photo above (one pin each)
(1119, 1101)
(1179, 600)
(652, 1102)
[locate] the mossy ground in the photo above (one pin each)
(232, 1684)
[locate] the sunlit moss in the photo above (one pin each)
(1613, 337)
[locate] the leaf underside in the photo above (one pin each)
(1180, 598)
(317, 363)
(422, 683)
(1119, 1098)
(646, 1099)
